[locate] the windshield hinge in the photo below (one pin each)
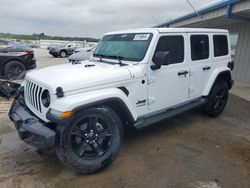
(151, 79)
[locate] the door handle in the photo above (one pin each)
(206, 68)
(182, 73)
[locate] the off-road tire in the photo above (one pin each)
(63, 54)
(79, 164)
(13, 69)
(217, 99)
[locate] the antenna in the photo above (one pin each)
(193, 8)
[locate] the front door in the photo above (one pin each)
(168, 86)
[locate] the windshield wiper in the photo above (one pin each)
(119, 60)
(111, 57)
(100, 56)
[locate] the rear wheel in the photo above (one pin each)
(63, 54)
(13, 69)
(91, 141)
(217, 99)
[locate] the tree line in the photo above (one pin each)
(43, 36)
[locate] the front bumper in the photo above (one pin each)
(30, 129)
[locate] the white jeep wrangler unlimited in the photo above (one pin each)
(135, 77)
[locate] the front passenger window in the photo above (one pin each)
(174, 45)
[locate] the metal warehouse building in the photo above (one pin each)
(233, 15)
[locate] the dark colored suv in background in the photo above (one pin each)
(64, 50)
(15, 58)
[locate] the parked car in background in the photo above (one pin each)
(64, 50)
(15, 58)
(52, 46)
(82, 54)
(32, 44)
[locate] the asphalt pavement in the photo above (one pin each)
(189, 151)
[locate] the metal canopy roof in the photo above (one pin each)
(227, 4)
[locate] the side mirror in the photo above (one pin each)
(159, 59)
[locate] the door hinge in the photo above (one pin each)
(151, 100)
(191, 72)
(190, 90)
(151, 79)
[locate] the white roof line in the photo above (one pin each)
(171, 30)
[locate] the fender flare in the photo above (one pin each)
(93, 98)
(214, 76)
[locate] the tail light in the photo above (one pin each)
(230, 65)
(28, 51)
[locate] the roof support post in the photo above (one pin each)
(230, 15)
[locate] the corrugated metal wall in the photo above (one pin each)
(242, 59)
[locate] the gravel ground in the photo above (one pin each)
(191, 151)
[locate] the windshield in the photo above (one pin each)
(130, 47)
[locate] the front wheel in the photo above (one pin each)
(217, 99)
(91, 141)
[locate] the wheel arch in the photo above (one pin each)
(13, 59)
(114, 98)
(116, 104)
(224, 75)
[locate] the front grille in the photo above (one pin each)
(33, 94)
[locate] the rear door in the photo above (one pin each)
(200, 63)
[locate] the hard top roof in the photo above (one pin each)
(171, 30)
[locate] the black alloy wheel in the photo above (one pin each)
(13, 69)
(91, 140)
(91, 137)
(217, 99)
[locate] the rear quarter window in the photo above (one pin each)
(220, 45)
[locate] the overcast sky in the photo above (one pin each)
(91, 18)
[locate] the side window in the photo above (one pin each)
(3, 45)
(174, 45)
(220, 45)
(199, 47)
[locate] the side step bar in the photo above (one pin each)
(146, 121)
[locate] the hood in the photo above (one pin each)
(80, 56)
(79, 76)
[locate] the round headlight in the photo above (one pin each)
(46, 98)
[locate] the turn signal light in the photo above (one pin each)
(65, 115)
